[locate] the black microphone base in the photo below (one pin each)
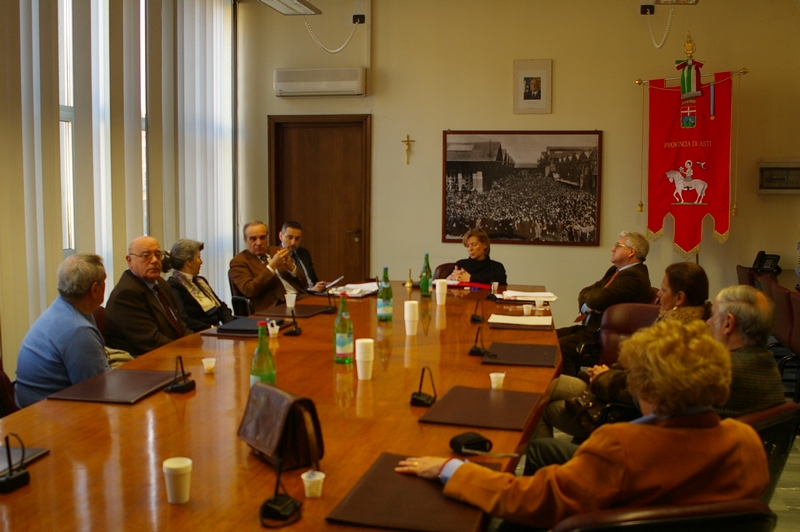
(293, 332)
(14, 481)
(280, 507)
(329, 310)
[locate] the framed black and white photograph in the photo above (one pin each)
(523, 187)
(533, 86)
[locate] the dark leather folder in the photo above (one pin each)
(31, 454)
(385, 499)
(125, 386)
(240, 327)
(300, 311)
(483, 408)
(521, 355)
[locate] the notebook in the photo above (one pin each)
(126, 386)
(385, 499)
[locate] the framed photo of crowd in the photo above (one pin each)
(523, 187)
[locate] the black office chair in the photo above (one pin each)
(242, 306)
(7, 403)
(748, 515)
(443, 270)
(619, 322)
(777, 426)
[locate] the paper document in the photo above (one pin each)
(514, 295)
(356, 289)
(529, 321)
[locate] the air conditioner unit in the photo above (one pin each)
(319, 81)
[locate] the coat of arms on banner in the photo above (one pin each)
(689, 157)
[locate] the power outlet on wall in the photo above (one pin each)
(647, 9)
(359, 19)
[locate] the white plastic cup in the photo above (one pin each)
(411, 327)
(527, 309)
(540, 303)
(178, 477)
(497, 380)
(365, 355)
(495, 287)
(441, 291)
(273, 328)
(312, 482)
(411, 308)
(291, 299)
(209, 365)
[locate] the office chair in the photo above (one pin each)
(619, 322)
(443, 270)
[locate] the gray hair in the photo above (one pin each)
(754, 313)
(638, 242)
(253, 222)
(183, 251)
(78, 273)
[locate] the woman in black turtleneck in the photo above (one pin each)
(478, 268)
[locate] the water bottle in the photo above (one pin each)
(262, 368)
(343, 334)
(425, 279)
(385, 298)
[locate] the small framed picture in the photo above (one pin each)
(533, 86)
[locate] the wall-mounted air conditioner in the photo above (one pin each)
(319, 81)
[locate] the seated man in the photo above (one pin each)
(262, 273)
(290, 235)
(742, 319)
(141, 313)
(627, 281)
(64, 346)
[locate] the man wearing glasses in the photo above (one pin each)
(141, 313)
(627, 281)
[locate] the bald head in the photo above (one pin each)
(144, 258)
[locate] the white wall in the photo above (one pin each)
(448, 64)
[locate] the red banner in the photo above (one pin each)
(689, 161)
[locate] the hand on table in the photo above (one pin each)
(424, 466)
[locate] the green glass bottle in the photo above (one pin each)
(385, 298)
(425, 279)
(262, 368)
(343, 334)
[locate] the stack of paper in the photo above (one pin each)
(502, 321)
(356, 289)
(515, 295)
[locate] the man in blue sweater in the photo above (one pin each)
(64, 346)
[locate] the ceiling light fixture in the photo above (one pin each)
(292, 7)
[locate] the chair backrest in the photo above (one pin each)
(655, 300)
(745, 275)
(784, 320)
(7, 403)
(241, 306)
(735, 516)
(794, 338)
(234, 290)
(619, 322)
(443, 270)
(100, 320)
(777, 426)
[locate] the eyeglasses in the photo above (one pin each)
(147, 255)
(618, 245)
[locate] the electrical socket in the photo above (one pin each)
(647, 9)
(359, 19)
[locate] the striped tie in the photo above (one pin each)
(168, 309)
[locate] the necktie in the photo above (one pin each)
(168, 309)
(583, 317)
(296, 259)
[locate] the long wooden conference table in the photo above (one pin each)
(103, 471)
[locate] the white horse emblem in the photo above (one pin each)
(683, 181)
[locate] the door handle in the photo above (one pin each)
(356, 232)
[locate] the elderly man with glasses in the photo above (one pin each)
(627, 281)
(141, 313)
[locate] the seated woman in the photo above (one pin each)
(199, 306)
(683, 295)
(478, 268)
(679, 453)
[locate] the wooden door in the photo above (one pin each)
(319, 175)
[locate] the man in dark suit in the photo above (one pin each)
(627, 281)
(290, 235)
(262, 273)
(141, 313)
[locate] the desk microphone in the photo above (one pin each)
(478, 351)
(18, 477)
(295, 330)
(280, 507)
(477, 318)
(330, 309)
(180, 383)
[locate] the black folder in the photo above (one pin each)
(125, 386)
(521, 355)
(483, 408)
(31, 454)
(385, 499)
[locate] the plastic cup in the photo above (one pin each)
(312, 482)
(365, 355)
(411, 308)
(411, 327)
(209, 365)
(291, 299)
(540, 303)
(441, 291)
(497, 380)
(273, 328)
(527, 309)
(178, 477)
(495, 287)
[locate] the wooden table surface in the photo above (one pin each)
(104, 467)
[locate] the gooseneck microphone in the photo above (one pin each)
(477, 318)
(181, 383)
(475, 350)
(330, 309)
(295, 330)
